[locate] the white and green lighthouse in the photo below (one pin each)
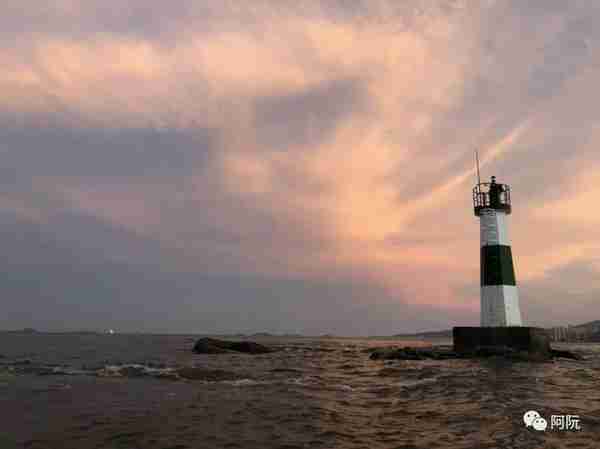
(499, 294)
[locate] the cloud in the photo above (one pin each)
(296, 145)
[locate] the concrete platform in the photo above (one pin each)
(533, 340)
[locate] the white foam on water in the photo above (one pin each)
(302, 381)
(117, 370)
(69, 371)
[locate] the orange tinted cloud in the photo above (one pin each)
(378, 187)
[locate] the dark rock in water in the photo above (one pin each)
(195, 373)
(249, 347)
(213, 346)
(133, 371)
(382, 353)
(565, 354)
(482, 351)
(209, 346)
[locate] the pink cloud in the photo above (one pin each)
(331, 202)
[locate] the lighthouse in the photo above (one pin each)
(501, 330)
(499, 294)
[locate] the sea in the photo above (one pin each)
(84, 391)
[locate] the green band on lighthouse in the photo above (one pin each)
(497, 265)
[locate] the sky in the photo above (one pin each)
(293, 166)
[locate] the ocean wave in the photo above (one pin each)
(244, 382)
(134, 370)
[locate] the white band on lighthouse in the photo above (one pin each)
(494, 230)
(500, 305)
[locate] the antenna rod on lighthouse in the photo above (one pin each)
(477, 164)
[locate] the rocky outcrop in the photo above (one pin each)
(213, 346)
(443, 353)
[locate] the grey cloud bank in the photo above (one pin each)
(201, 168)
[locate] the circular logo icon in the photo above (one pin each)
(529, 417)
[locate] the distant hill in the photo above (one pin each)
(589, 331)
(592, 325)
(432, 335)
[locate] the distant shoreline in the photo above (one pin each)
(586, 332)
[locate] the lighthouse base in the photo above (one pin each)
(472, 340)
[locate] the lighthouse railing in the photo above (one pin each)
(482, 200)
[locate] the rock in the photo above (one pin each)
(382, 353)
(210, 346)
(249, 347)
(196, 373)
(481, 351)
(565, 354)
(443, 355)
(213, 346)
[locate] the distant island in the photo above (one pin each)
(29, 330)
(268, 334)
(432, 335)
